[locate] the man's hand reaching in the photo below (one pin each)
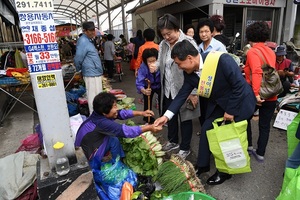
(161, 121)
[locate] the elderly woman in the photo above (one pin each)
(219, 26)
(257, 34)
(171, 82)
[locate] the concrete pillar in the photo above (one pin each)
(290, 18)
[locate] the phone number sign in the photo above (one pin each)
(38, 31)
(46, 81)
(33, 5)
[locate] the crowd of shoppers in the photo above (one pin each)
(172, 70)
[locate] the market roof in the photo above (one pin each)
(152, 5)
(81, 10)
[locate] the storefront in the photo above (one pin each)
(238, 14)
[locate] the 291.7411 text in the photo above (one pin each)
(34, 4)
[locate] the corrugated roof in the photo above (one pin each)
(84, 9)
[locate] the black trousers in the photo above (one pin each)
(110, 68)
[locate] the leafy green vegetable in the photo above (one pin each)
(139, 157)
(158, 195)
(130, 123)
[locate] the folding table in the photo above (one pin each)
(14, 92)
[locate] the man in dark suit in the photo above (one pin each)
(231, 98)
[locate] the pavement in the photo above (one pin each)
(264, 182)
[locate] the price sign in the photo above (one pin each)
(34, 5)
(284, 118)
(46, 81)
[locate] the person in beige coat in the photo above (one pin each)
(171, 82)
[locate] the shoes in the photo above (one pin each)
(170, 146)
(218, 178)
(201, 170)
(250, 149)
(183, 154)
(257, 157)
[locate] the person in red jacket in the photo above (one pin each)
(257, 34)
(149, 35)
(284, 68)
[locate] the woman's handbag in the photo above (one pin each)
(228, 143)
(271, 84)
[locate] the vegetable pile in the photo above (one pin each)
(178, 175)
(126, 103)
(143, 153)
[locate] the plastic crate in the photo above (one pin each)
(189, 196)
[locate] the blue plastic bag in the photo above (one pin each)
(110, 178)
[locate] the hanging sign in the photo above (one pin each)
(34, 5)
(38, 31)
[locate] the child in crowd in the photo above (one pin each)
(129, 50)
(148, 81)
(98, 135)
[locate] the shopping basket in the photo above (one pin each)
(189, 196)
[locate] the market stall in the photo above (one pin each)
(14, 78)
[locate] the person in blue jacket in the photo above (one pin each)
(98, 134)
(149, 57)
(87, 60)
(231, 98)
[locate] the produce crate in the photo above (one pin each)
(189, 196)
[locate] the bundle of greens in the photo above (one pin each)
(143, 153)
(178, 175)
(126, 103)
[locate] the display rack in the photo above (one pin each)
(10, 46)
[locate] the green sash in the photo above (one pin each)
(208, 74)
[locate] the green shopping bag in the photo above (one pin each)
(228, 143)
(291, 185)
(292, 141)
